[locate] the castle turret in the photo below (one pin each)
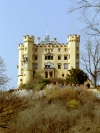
(73, 47)
(28, 52)
(25, 70)
(20, 65)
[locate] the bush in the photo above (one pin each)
(73, 103)
(39, 86)
(26, 86)
(64, 94)
(44, 81)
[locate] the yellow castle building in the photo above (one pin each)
(47, 59)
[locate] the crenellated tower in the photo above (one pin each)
(25, 70)
(74, 50)
(20, 65)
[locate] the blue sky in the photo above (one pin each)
(29, 17)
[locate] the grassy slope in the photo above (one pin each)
(61, 111)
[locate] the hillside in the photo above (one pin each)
(59, 111)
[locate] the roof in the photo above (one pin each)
(47, 40)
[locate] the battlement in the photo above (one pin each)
(28, 38)
(51, 45)
(72, 38)
(20, 46)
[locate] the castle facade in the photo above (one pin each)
(47, 59)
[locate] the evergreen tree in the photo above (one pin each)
(76, 76)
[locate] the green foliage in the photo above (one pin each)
(44, 81)
(73, 103)
(26, 86)
(11, 90)
(76, 76)
(36, 86)
(39, 86)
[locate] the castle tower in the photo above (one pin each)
(25, 70)
(74, 50)
(20, 65)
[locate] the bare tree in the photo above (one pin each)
(9, 104)
(3, 78)
(91, 60)
(89, 11)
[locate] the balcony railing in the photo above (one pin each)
(48, 68)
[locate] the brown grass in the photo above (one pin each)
(70, 111)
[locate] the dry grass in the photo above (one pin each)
(70, 111)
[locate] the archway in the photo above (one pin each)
(46, 74)
(50, 73)
(88, 85)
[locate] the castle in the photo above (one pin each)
(47, 58)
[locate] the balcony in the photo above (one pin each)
(25, 59)
(48, 69)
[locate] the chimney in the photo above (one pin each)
(38, 40)
(55, 39)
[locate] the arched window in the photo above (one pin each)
(49, 65)
(49, 57)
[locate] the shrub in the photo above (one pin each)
(86, 96)
(39, 86)
(22, 86)
(26, 86)
(44, 81)
(73, 103)
(63, 94)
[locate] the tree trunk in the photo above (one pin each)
(95, 82)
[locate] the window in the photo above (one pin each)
(77, 56)
(25, 49)
(59, 66)
(36, 50)
(48, 57)
(20, 79)
(68, 66)
(77, 48)
(51, 57)
(45, 50)
(35, 57)
(59, 57)
(35, 66)
(49, 65)
(33, 73)
(62, 75)
(51, 50)
(65, 57)
(65, 65)
(77, 65)
(65, 49)
(58, 49)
